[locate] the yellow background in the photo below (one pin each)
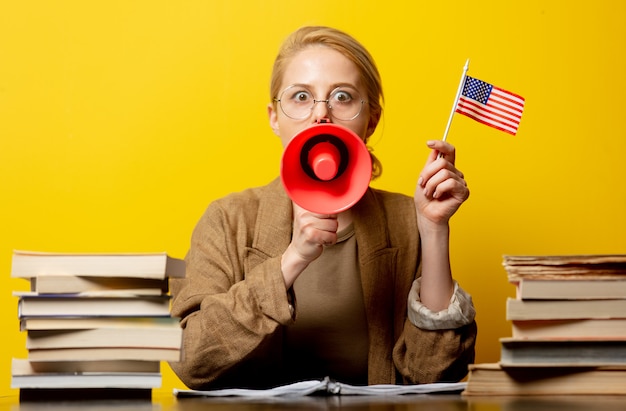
(121, 120)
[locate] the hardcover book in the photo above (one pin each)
(29, 264)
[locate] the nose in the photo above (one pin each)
(321, 111)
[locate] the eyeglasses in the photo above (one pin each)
(297, 102)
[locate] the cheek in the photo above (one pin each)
(286, 134)
(359, 128)
(288, 129)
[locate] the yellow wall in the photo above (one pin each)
(121, 120)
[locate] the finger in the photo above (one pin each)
(316, 226)
(325, 222)
(451, 188)
(446, 150)
(442, 182)
(325, 216)
(322, 236)
(436, 167)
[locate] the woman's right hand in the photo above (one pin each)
(311, 232)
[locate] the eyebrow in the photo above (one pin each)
(333, 86)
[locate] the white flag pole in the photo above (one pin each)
(456, 99)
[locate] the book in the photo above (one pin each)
(325, 386)
(491, 379)
(105, 354)
(608, 266)
(544, 403)
(578, 328)
(29, 264)
(84, 323)
(564, 309)
(59, 305)
(148, 337)
(72, 284)
(562, 352)
(572, 289)
(28, 367)
(24, 376)
(32, 399)
(88, 380)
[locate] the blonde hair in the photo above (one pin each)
(349, 47)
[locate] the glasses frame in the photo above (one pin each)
(315, 101)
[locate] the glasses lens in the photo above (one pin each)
(297, 102)
(345, 103)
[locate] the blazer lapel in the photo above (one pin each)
(272, 233)
(377, 261)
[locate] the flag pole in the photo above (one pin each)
(456, 99)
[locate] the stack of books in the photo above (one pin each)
(568, 329)
(95, 322)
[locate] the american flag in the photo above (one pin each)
(491, 105)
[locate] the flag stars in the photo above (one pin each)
(477, 90)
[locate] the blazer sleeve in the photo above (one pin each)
(423, 355)
(229, 307)
(428, 356)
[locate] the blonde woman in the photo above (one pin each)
(276, 294)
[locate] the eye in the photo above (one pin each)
(301, 96)
(342, 97)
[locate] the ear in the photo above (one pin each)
(273, 118)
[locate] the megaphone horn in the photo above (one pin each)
(326, 168)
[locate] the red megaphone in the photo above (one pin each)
(326, 168)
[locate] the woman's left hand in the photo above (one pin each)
(441, 187)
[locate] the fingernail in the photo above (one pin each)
(420, 181)
(430, 143)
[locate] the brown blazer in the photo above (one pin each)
(233, 302)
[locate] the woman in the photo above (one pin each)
(275, 293)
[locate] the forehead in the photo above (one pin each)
(320, 68)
